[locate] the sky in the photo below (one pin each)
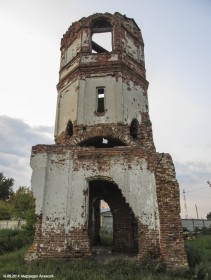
(177, 37)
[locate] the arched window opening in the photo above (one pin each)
(100, 100)
(102, 142)
(134, 128)
(101, 36)
(69, 128)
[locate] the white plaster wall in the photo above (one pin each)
(73, 49)
(85, 37)
(70, 68)
(133, 50)
(134, 102)
(95, 58)
(57, 183)
(66, 107)
(77, 202)
(61, 192)
(87, 105)
(138, 187)
(130, 47)
(141, 53)
(39, 165)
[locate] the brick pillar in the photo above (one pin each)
(171, 233)
(148, 243)
(32, 253)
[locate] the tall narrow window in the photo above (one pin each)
(69, 128)
(100, 100)
(134, 128)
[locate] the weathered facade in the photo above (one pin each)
(104, 150)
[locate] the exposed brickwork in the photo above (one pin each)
(33, 252)
(80, 134)
(56, 243)
(171, 233)
(98, 156)
(148, 243)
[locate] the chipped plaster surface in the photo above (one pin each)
(66, 109)
(73, 50)
(123, 102)
(61, 194)
(134, 102)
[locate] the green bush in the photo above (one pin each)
(30, 222)
(199, 257)
(194, 255)
(11, 240)
(5, 210)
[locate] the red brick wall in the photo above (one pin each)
(171, 233)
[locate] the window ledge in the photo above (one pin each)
(99, 114)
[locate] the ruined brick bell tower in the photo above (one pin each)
(104, 151)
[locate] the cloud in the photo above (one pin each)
(193, 177)
(17, 138)
(193, 174)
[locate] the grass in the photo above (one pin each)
(88, 269)
(199, 256)
(198, 250)
(200, 246)
(106, 238)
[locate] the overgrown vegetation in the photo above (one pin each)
(17, 205)
(209, 216)
(199, 256)
(5, 187)
(198, 253)
(14, 205)
(89, 269)
(12, 240)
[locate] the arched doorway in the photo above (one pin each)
(124, 221)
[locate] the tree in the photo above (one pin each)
(22, 201)
(209, 216)
(30, 221)
(5, 187)
(5, 210)
(23, 204)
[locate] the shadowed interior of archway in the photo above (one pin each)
(125, 231)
